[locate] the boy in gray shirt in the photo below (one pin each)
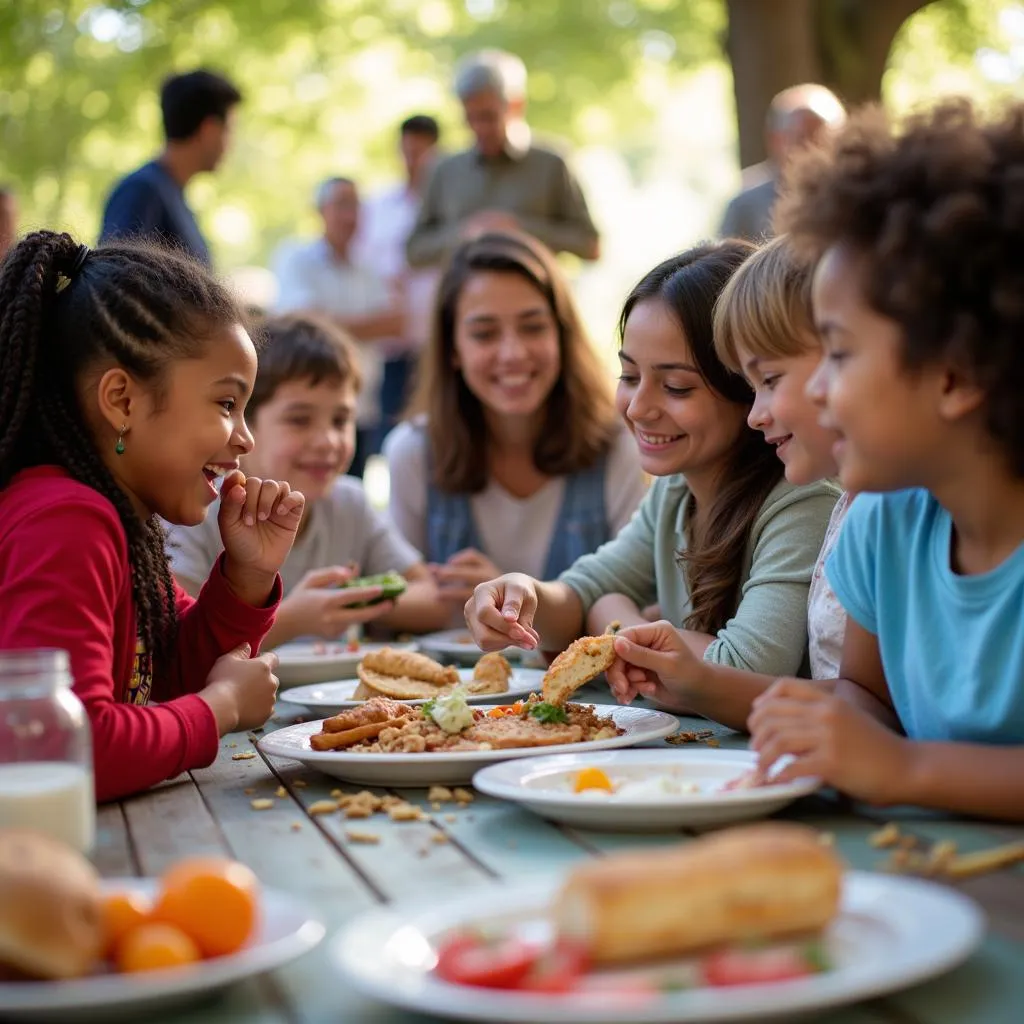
(302, 418)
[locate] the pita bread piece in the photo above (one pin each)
(581, 661)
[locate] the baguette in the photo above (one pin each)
(753, 882)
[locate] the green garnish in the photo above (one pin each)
(548, 713)
(427, 707)
(816, 957)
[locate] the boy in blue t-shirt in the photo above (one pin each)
(919, 299)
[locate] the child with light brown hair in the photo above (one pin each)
(763, 330)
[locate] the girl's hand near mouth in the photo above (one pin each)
(258, 522)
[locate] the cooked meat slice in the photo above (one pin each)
(409, 665)
(580, 662)
(505, 733)
(398, 687)
(379, 709)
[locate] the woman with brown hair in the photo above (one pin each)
(722, 543)
(513, 458)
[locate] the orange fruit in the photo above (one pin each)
(213, 900)
(149, 947)
(122, 911)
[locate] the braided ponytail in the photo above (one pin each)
(60, 315)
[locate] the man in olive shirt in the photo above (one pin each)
(503, 181)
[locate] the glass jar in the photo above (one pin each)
(45, 749)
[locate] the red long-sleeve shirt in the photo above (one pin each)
(65, 582)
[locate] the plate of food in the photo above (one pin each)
(302, 662)
(75, 947)
(758, 921)
(642, 790)
(416, 678)
(446, 739)
(458, 645)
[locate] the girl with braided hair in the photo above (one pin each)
(124, 373)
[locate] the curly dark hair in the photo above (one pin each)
(131, 303)
(689, 285)
(936, 208)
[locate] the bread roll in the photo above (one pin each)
(51, 917)
(756, 881)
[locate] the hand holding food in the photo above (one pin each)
(240, 690)
(500, 613)
(457, 577)
(829, 738)
(653, 661)
(258, 521)
(326, 602)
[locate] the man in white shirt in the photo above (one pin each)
(324, 277)
(386, 222)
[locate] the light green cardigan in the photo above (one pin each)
(768, 631)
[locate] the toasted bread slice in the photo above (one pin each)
(408, 665)
(397, 687)
(581, 661)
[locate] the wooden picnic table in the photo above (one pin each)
(482, 844)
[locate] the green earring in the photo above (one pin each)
(119, 447)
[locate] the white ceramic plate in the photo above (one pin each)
(305, 662)
(448, 769)
(544, 785)
(458, 645)
(330, 698)
(288, 930)
(891, 933)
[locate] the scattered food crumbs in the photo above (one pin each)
(712, 742)
(907, 842)
(898, 860)
(361, 837)
(827, 839)
(243, 755)
(439, 794)
(386, 802)
(259, 728)
(405, 812)
(249, 790)
(940, 856)
(358, 811)
(439, 838)
(462, 796)
(690, 736)
(296, 826)
(300, 784)
(887, 836)
(337, 794)
(232, 745)
(263, 804)
(280, 791)
(435, 806)
(450, 817)
(322, 807)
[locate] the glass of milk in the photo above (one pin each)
(45, 749)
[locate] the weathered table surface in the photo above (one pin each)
(488, 841)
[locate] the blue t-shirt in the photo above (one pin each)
(149, 203)
(952, 646)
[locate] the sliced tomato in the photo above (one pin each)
(756, 966)
(558, 969)
(468, 959)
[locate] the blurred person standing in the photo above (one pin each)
(198, 116)
(796, 118)
(326, 277)
(386, 222)
(503, 181)
(8, 219)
